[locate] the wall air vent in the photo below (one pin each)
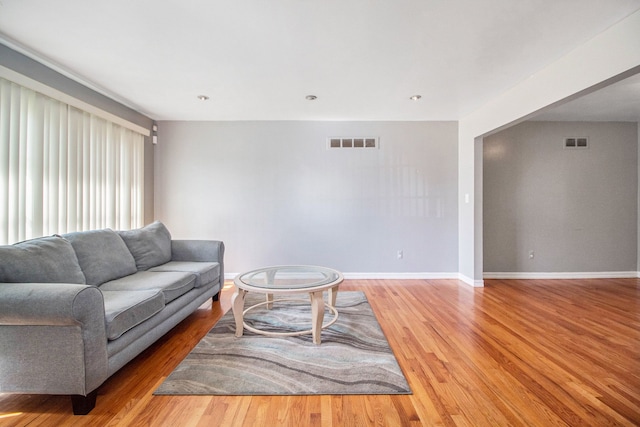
(575, 142)
(352, 142)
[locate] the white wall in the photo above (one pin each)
(575, 208)
(609, 57)
(276, 195)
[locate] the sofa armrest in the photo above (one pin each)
(47, 303)
(199, 250)
(53, 338)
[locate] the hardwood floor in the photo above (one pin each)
(517, 352)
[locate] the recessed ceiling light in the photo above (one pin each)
(415, 97)
(311, 97)
(203, 97)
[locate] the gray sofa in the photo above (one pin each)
(76, 308)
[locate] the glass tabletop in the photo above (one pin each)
(294, 277)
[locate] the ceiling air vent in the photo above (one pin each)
(352, 142)
(574, 142)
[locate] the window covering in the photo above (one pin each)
(63, 169)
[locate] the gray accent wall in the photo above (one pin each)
(576, 209)
(276, 194)
(30, 68)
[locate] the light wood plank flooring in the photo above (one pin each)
(517, 352)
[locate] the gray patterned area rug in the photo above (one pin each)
(354, 357)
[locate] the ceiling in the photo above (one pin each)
(619, 102)
(258, 59)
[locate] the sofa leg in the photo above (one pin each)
(82, 405)
(216, 297)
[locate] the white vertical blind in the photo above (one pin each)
(63, 169)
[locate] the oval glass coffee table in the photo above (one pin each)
(288, 279)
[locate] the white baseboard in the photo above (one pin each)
(487, 275)
(471, 282)
(400, 276)
(563, 275)
(390, 276)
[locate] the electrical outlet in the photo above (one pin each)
(531, 254)
(400, 254)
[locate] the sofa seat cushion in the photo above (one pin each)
(150, 245)
(206, 272)
(42, 260)
(102, 255)
(126, 309)
(172, 283)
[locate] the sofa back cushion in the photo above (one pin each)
(150, 245)
(46, 259)
(102, 255)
